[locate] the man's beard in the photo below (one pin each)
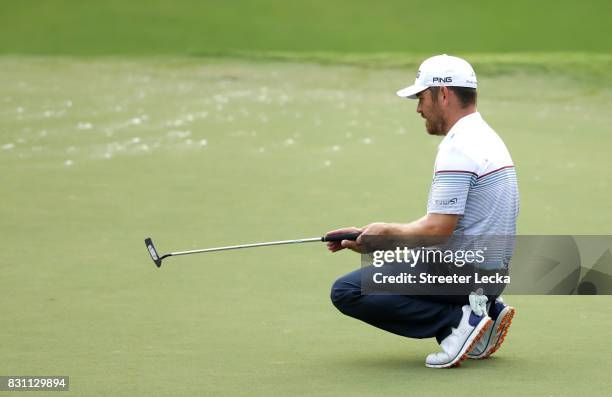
(435, 125)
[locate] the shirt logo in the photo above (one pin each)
(452, 201)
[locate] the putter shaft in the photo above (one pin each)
(235, 247)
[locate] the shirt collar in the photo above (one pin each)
(458, 126)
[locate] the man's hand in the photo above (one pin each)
(373, 229)
(429, 230)
(334, 246)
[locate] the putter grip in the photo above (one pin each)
(341, 236)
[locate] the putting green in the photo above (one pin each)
(99, 153)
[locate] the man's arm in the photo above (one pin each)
(428, 230)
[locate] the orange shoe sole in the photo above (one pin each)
(502, 329)
(476, 339)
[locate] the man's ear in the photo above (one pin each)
(445, 92)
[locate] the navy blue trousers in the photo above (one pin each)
(421, 316)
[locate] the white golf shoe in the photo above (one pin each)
(461, 340)
(495, 335)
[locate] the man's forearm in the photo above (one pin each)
(422, 232)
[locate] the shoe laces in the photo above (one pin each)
(478, 303)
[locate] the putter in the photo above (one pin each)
(330, 237)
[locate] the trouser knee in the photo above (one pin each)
(344, 294)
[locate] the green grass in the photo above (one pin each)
(99, 153)
(204, 123)
(339, 26)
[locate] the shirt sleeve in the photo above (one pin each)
(454, 175)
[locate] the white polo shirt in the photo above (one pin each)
(474, 177)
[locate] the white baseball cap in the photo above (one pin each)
(441, 70)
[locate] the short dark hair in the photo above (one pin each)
(467, 96)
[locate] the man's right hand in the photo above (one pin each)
(335, 246)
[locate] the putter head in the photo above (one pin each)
(153, 252)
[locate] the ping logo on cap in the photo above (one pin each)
(443, 79)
